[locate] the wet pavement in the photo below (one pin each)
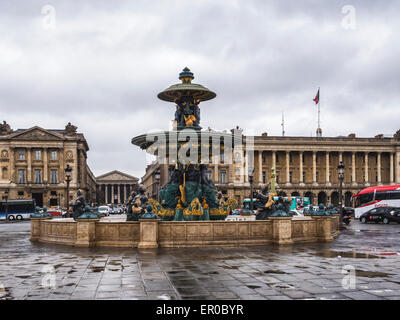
(361, 264)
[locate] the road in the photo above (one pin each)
(301, 271)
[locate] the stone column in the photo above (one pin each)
(287, 168)
(75, 167)
(301, 168)
(391, 168)
(106, 193)
(119, 193)
(148, 233)
(215, 173)
(366, 169)
(45, 166)
(125, 192)
(397, 166)
(260, 167)
(12, 166)
(328, 181)
(29, 162)
(340, 156)
(274, 160)
(112, 193)
(379, 169)
(353, 169)
(246, 167)
(281, 230)
(314, 159)
(86, 232)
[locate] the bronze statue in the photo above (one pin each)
(79, 205)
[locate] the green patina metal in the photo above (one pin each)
(321, 211)
(189, 194)
(280, 212)
(88, 214)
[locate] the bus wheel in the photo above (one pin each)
(386, 221)
(19, 217)
(363, 220)
(11, 218)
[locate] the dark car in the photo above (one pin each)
(381, 214)
(349, 211)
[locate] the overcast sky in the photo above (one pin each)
(101, 64)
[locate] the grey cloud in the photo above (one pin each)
(105, 62)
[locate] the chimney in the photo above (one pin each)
(351, 136)
(264, 134)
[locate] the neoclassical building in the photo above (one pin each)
(115, 187)
(307, 166)
(32, 163)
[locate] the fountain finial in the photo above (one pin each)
(186, 75)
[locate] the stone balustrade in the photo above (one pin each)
(153, 233)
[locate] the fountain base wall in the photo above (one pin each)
(153, 233)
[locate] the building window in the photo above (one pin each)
(21, 176)
(53, 155)
(21, 154)
(290, 158)
(316, 177)
(264, 177)
(263, 157)
(277, 157)
(20, 193)
(54, 176)
(277, 177)
(38, 155)
(290, 176)
(38, 176)
(222, 157)
(304, 176)
(222, 176)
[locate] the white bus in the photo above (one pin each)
(373, 197)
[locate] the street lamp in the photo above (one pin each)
(6, 196)
(251, 175)
(68, 170)
(341, 177)
(157, 178)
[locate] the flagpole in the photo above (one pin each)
(319, 130)
(319, 99)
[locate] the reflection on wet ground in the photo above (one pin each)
(302, 271)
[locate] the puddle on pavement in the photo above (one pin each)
(253, 287)
(372, 274)
(97, 269)
(23, 276)
(274, 271)
(346, 254)
(230, 267)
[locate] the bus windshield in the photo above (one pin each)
(363, 199)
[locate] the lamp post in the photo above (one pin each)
(251, 175)
(341, 177)
(157, 178)
(6, 195)
(68, 170)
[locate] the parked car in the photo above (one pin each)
(348, 211)
(104, 210)
(381, 214)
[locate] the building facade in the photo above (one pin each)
(307, 166)
(115, 187)
(32, 163)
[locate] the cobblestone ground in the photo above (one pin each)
(302, 271)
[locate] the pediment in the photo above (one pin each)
(117, 176)
(36, 133)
